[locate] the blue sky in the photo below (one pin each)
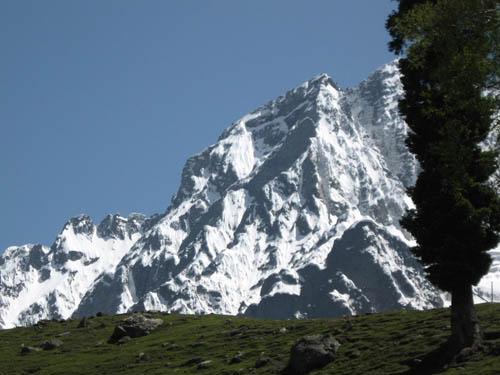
(101, 102)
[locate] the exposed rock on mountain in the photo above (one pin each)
(38, 282)
(263, 216)
(294, 211)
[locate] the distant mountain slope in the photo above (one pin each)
(293, 212)
(37, 282)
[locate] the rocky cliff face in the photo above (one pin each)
(293, 212)
(263, 216)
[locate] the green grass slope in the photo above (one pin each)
(388, 343)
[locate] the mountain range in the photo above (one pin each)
(293, 212)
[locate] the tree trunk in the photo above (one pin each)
(465, 330)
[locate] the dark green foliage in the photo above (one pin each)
(451, 76)
(450, 52)
(389, 343)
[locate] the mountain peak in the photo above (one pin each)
(259, 211)
(317, 82)
(80, 224)
(112, 226)
(293, 212)
(322, 78)
(117, 226)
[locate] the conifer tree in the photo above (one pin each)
(449, 65)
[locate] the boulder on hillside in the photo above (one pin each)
(237, 358)
(204, 365)
(136, 325)
(51, 344)
(28, 349)
(262, 361)
(311, 353)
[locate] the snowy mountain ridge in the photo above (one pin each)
(293, 212)
(39, 282)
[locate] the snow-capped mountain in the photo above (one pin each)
(38, 282)
(293, 212)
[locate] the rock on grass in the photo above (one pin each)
(134, 326)
(29, 349)
(51, 344)
(311, 353)
(204, 365)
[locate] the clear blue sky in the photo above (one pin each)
(101, 102)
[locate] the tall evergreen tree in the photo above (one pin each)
(450, 75)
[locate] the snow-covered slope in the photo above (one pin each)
(38, 282)
(259, 213)
(294, 211)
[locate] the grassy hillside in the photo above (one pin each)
(389, 343)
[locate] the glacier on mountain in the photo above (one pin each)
(293, 212)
